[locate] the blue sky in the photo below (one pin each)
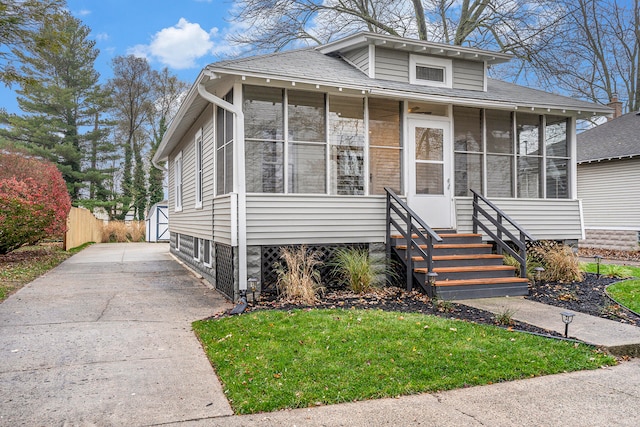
(183, 35)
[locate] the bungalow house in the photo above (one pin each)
(609, 183)
(300, 147)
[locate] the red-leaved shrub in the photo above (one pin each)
(34, 202)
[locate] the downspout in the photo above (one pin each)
(239, 181)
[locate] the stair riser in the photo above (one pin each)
(463, 275)
(462, 251)
(448, 241)
(481, 291)
(461, 263)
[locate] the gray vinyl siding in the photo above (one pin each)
(544, 219)
(468, 75)
(610, 193)
(295, 219)
(392, 65)
(359, 58)
(191, 221)
(223, 219)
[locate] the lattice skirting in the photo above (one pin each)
(271, 255)
(225, 277)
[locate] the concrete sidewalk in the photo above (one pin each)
(105, 339)
(618, 338)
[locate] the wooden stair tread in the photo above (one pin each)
(469, 268)
(489, 281)
(464, 257)
(446, 236)
(452, 246)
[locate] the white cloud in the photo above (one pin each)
(84, 12)
(178, 46)
(101, 37)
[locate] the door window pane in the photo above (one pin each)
(307, 120)
(429, 178)
(429, 144)
(307, 168)
(499, 131)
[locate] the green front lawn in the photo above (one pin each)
(626, 293)
(272, 360)
(613, 270)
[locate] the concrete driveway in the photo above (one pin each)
(105, 339)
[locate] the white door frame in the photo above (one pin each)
(437, 210)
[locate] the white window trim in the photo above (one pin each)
(197, 244)
(429, 61)
(177, 180)
(199, 147)
(210, 243)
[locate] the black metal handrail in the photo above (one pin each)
(498, 222)
(411, 224)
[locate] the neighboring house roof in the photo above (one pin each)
(615, 139)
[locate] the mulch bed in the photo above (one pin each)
(587, 296)
(396, 299)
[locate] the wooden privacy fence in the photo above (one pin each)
(82, 227)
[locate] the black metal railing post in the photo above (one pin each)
(410, 224)
(501, 230)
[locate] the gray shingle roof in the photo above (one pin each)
(311, 65)
(611, 140)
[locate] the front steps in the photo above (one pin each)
(466, 269)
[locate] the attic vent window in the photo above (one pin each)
(431, 74)
(430, 71)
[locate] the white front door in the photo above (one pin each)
(430, 168)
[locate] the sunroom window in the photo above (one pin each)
(307, 142)
(224, 148)
(533, 162)
(346, 139)
(324, 145)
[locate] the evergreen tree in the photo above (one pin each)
(132, 97)
(59, 94)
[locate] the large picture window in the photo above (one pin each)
(324, 145)
(522, 154)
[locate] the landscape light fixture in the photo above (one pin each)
(567, 317)
(598, 258)
(252, 283)
(538, 275)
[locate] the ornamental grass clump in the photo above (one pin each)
(360, 271)
(560, 263)
(298, 275)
